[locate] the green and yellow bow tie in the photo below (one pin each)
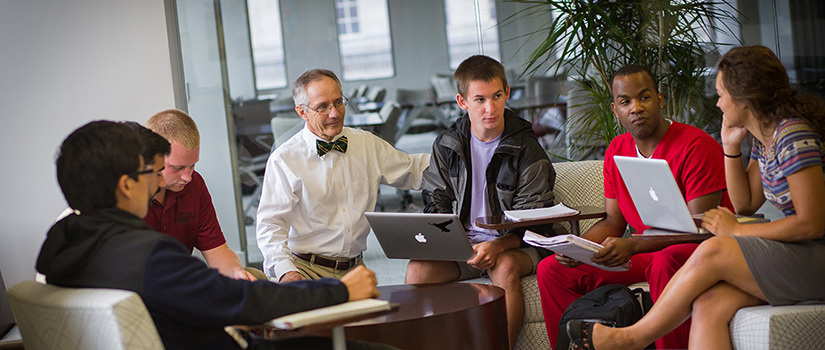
(339, 145)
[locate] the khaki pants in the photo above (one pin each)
(315, 271)
(257, 273)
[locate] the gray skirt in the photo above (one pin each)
(787, 273)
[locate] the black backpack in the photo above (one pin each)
(614, 305)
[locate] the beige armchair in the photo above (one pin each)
(52, 317)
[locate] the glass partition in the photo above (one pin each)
(794, 29)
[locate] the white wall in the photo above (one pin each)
(63, 64)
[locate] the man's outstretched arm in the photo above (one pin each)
(227, 263)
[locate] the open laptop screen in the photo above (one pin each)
(655, 193)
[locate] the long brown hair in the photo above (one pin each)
(755, 76)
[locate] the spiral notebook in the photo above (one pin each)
(571, 246)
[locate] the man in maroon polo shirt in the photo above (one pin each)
(183, 208)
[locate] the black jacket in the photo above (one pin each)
(189, 302)
(520, 176)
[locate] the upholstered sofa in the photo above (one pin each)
(754, 328)
(577, 184)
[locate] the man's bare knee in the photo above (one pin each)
(510, 267)
(422, 271)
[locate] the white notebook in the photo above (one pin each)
(329, 313)
(556, 211)
(571, 246)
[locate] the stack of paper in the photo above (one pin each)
(556, 211)
(330, 313)
(571, 246)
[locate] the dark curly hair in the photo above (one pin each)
(755, 76)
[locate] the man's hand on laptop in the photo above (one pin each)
(361, 283)
(616, 251)
(486, 253)
(291, 276)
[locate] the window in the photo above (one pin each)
(365, 45)
(463, 31)
(267, 44)
(347, 12)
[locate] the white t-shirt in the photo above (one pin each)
(481, 153)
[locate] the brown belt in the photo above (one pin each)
(333, 264)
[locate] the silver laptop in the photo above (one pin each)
(656, 195)
(421, 236)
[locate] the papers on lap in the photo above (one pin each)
(571, 246)
(329, 313)
(556, 211)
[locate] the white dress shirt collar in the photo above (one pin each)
(310, 138)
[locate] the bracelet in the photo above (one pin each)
(730, 156)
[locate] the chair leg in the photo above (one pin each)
(406, 199)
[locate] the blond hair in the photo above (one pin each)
(176, 126)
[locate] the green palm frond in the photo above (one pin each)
(674, 38)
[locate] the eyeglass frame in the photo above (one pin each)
(327, 109)
(135, 174)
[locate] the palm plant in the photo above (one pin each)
(596, 37)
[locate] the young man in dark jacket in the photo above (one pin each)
(487, 162)
(102, 174)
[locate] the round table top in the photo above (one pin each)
(417, 301)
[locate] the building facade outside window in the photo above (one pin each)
(267, 39)
(462, 31)
(364, 39)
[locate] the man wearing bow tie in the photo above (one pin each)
(319, 183)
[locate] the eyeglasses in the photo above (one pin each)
(339, 104)
(143, 172)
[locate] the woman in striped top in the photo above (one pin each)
(778, 263)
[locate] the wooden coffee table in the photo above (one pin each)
(438, 316)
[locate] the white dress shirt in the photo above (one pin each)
(316, 205)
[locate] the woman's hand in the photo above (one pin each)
(720, 222)
(732, 136)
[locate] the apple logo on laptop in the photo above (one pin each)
(653, 195)
(420, 238)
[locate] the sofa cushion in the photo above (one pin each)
(580, 184)
(779, 327)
